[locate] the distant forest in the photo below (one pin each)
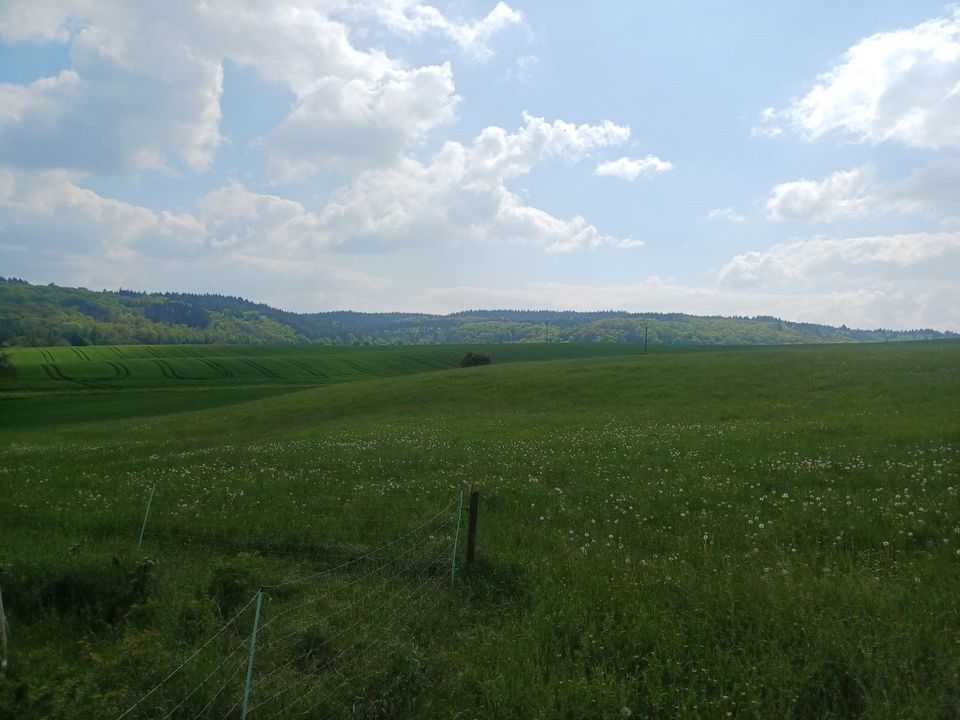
(43, 315)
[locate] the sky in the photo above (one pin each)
(800, 160)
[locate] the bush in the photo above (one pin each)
(234, 581)
(6, 367)
(89, 587)
(472, 359)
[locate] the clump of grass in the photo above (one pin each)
(234, 580)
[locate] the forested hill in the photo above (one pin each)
(42, 315)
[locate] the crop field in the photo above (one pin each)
(77, 383)
(139, 366)
(760, 533)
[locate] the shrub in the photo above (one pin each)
(6, 367)
(90, 587)
(234, 581)
(472, 359)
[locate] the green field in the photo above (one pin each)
(58, 384)
(764, 533)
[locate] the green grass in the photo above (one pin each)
(760, 533)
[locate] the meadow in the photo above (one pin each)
(760, 532)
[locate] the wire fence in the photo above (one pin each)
(300, 647)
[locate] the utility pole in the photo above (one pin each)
(644, 339)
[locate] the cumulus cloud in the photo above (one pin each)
(632, 168)
(127, 104)
(899, 281)
(461, 193)
(356, 124)
(48, 212)
(846, 193)
(413, 19)
(728, 213)
(930, 191)
(51, 223)
(901, 86)
(243, 221)
(144, 88)
(819, 260)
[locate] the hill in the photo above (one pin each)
(48, 315)
(70, 383)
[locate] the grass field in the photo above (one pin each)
(765, 533)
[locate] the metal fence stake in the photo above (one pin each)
(253, 649)
(456, 540)
(146, 515)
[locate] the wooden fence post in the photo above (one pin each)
(472, 525)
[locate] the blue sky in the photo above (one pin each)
(744, 158)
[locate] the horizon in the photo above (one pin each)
(736, 161)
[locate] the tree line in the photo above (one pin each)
(45, 315)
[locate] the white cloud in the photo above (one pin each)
(893, 281)
(818, 261)
(30, 21)
(846, 193)
(49, 213)
(460, 194)
(355, 124)
(632, 168)
(903, 281)
(901, 86)
(729, 214)
(51, 225)
(144, 88)
(413, 19)
(523, 69)
(127, 104)
(239, 220)
(930, 190)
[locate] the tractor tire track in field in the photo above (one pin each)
(266, 372)
(154, 353)
(221, 370)
(167, 370)
(190, 353)
(362, 369)
(118, 352)
(120, 370)
(55, 373)
(307, 369)
(47, 356)
(80, 354)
